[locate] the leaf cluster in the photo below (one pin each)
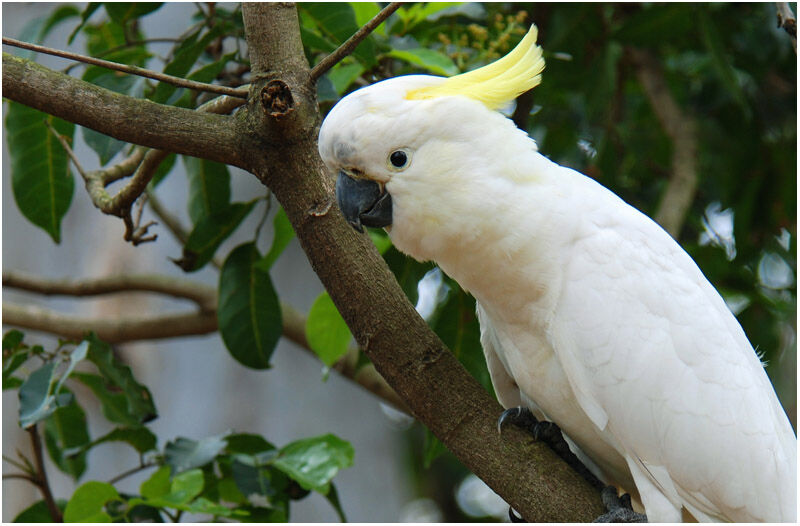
(237, 476)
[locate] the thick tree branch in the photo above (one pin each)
(434, 385)
(204, 296)
(352, 43)
(117, 330)
(132, 70)
(681, 128)
(138, 121)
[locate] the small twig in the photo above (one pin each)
(787, 21)
(132, 70)
(21, 476)
(27, 469)
(132, 471)
(126, 45)
(41, 474)
(351, 43)
(65, 145)
(169, 220)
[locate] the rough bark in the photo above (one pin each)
(137, 121)
(274, 137)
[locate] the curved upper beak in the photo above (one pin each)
(363, 202)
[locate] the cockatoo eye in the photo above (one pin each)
(398, 158)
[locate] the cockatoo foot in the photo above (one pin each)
(619, 508)
(550, 434)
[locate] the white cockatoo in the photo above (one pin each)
(591, 314)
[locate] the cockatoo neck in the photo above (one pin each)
(466, 205)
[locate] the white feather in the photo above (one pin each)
(589, 311)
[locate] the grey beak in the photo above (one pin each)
(362, 202)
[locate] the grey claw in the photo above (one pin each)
(512, 414)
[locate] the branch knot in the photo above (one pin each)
(277, 99)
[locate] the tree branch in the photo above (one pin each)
(352, 43)
(41, 474)
(138, 121)
(203, 295)
(434, 385)
(131, 70)
(133, 328)
(681, 128)
(787, 21)
(159, 326)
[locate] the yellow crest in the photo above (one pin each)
(497, 83)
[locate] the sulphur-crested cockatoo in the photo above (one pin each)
(591, 314)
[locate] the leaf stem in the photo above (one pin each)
(132, 70)
(132, 471)
(41, 474)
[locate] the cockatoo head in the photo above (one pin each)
(408, 138)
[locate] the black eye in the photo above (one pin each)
(399, 158)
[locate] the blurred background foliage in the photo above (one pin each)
(727, 66)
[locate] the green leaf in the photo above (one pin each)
(121, 12)
(114, 404)
(313, 462)
(102, 37)
(283, 233)
(40, 175)
(249, 313)
(35, 401)
(184, 454)
(457, 325)
(337, 22)
(12, 382)
(428, 59)
(657, 23)
(12, 340)
(257, 514)
(343, 76)
(138, 398)
(247, 444)
(66, 429)
(326, 331)
(209, 187)
(14, 355)
(140, 438)
(86, 504)
(87, 12)
(431, 449)
(37, 29)
(162, 171)
(366, 11)
(39, 512)
(255, 479)
(722, 64)
(203, 505)
(207, 74)
(186, 55)
(209, 233)
(157, 485)
(185, 487)
(380, 239)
